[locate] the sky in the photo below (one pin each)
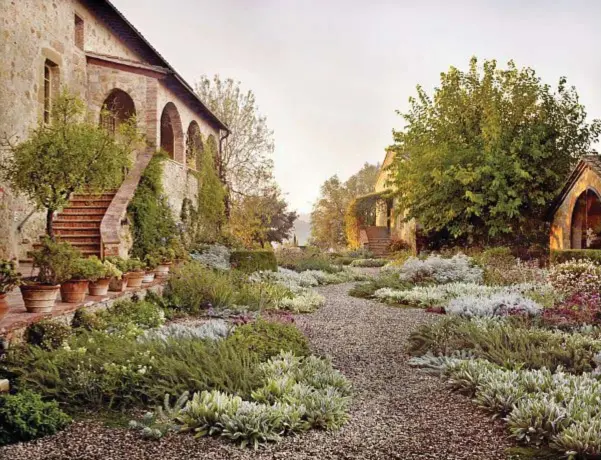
(330, 75)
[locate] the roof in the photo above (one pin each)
(121, 26)
(588, 161)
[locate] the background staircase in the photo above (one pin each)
(378, 239)
(79, 222)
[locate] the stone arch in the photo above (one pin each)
(194, 145)
(172, 136)
(117, 108)
(585, 222)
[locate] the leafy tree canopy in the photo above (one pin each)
(328, 215)
(482, 158)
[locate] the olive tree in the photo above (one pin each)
(66, 156)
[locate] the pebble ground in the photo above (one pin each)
(397, 412)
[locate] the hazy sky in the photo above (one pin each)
(329, 75)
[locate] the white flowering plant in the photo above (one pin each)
(436, 269)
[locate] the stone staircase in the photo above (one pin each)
(378, 239)
(79, 223)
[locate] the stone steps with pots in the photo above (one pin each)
(79, 222)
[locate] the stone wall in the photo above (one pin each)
(562, 220)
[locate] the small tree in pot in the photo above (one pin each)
(54, 262)
(9, 279)
(118, 283)
(135, 272)
(99, 285)
(82, 272)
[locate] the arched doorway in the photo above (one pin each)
(118, 107)
(585, 228)
(172, 133)
(194, 147)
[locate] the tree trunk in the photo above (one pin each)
(49, 227)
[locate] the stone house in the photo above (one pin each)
(576, 213)
(90, 48)
(389, 225)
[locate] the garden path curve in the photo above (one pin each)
(397, 412)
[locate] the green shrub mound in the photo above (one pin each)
(267, 339)
(253, 261)
(384, 280)
(559, 256)
(25, 416)
(47, 334)
(369, 263)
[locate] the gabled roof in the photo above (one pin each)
(592, 162)
(121, 26)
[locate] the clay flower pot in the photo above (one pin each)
(134, 279)
(148, 277)
(118, 285)
(39, 298)
(100, 287)
(162, 270)
(3, 306)
(74, 291)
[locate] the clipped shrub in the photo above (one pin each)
(369, 263)
(25, 416)
(47, 334)
(566, 255)
(267, 339)
(253, 261)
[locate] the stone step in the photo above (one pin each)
(74, 238)
(62, 218)
(81, 210)
(59, 224)
(75, 232)
(108, 195)
(100, 202)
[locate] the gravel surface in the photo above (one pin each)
(397, 412)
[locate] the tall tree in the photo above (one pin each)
(328, 215)
(244, 165)
(481, 159)
(261, 219)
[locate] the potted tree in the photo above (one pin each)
(9, 279)
(99, 284)
(118, 282)
(54, 262)
(152, 262)
(135, 272)
(83, 270)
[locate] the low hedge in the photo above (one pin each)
(559, 256)
(252, 261)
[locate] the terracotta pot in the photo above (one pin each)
(74, 291)
(100, 287)
(118, 285)
(39, 298)
(3, 306)
(134, 279)
(163, 269)
(148, 277)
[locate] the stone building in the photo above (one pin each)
(576, 214)
(90, 48)
(389, 225)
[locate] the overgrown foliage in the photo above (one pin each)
(253, 261)
(481, 159)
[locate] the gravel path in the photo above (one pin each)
(397, 412)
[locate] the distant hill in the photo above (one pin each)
(302, 228)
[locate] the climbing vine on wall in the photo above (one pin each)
(361, 212)
(153, 225)
(203, 223)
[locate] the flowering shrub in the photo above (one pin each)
(436, 269)
(307, 302)
(214, 256)
(297, 394)
(576, 277)
(575, 310)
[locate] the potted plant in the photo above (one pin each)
(135, 272)
(118, 283)
(83, 270)
(99, 284)
(9, 279)
(152, 263)
(54, 262)
(165, 257)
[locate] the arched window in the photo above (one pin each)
(586, 221)
(117, 108)
(194, 147)
(171, 133)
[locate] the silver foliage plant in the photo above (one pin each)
(215, 256)
(558, 409)
(495, 304)
(297, 394)
(457, 269)
(215, 329)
